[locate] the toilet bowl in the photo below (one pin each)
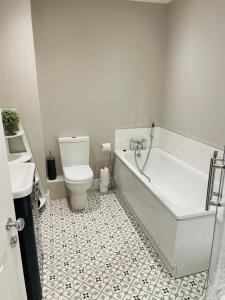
(78, 180)
(78, 175)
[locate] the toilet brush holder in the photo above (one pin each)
(51, 168)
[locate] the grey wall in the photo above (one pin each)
(18, 77)
(195, 79)
(100, 67)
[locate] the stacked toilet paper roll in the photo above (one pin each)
(106, 147)
(104, 180)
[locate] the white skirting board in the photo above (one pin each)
(59, 178)
(57, 187)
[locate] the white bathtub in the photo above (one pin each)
(171, 207)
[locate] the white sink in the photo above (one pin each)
(15, 158)
(22, 176)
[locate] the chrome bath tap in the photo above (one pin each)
(137, 144)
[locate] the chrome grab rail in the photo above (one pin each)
(215, 163)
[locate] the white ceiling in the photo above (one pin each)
(154, 1)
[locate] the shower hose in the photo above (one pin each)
(141, 170)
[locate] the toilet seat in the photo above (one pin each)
(78, 173)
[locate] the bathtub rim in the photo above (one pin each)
(120, 155)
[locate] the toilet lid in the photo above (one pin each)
(78, 173)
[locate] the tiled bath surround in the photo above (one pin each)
(192, 152)
(123, 137)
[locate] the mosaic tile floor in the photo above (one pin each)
(102, 253)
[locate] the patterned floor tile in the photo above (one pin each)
(102, 253)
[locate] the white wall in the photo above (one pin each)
(194, 102)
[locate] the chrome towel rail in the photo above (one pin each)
(215, 163)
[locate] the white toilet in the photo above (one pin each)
(78, 175)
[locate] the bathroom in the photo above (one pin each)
(145, 79)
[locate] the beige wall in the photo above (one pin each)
(100, 67)
(18, 78)
(195, 81)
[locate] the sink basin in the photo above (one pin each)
(15, 158)
(22, 176)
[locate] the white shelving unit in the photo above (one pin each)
(18, 133)
(22, 157)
